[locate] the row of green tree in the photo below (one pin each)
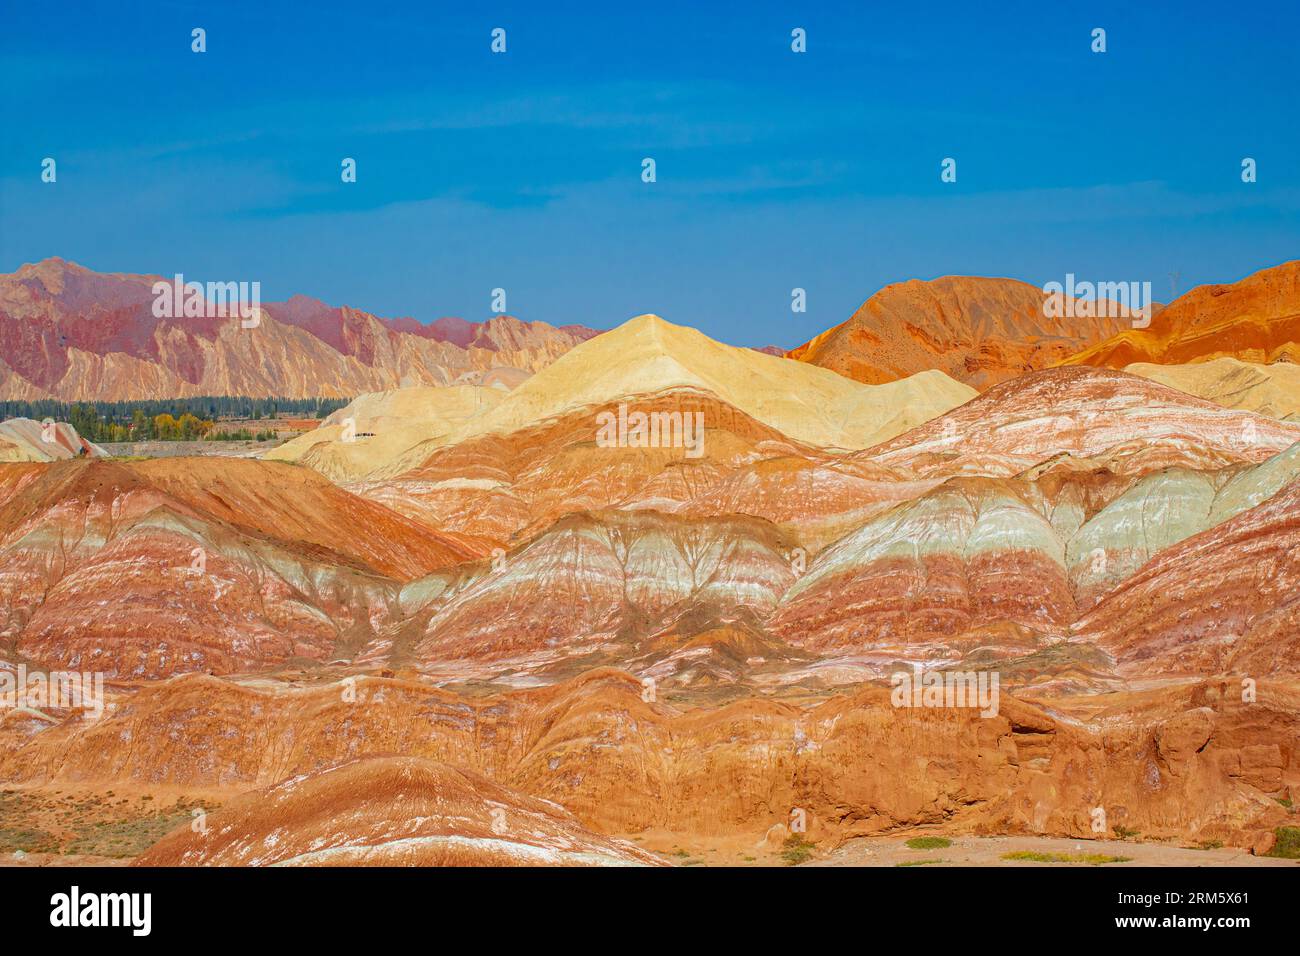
(182, 419)
(164, 427)
(215, 407)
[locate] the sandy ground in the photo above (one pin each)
(964, 850)
(60, 859)
(88, 826)
(874, 851)
(989, 851)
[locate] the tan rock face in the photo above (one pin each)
(647, 354)
(979, 331)
(76, 335)
(378, 432)
(498, 465)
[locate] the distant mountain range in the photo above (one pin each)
(72, 334)
(983, 331)
(76, 335)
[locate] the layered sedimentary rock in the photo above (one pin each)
(977, 330)
(143, 569)
(1162, 509)
(692, 633)
(605, 582)
(1157, 511)
(561, 440)
(507, 487)
(919, 581)
(1194, 762)
(1080, 412)
(1015, 511)
(966, 553)
(815, 497)
(542, 451)
(72, 334)
(22, 439)
(392, 811)
(1224, 600)
(1255, 320)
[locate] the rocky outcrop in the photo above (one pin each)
(593, 581)
(967, 553)
(693, 634)
(647, 355)
(391, 811)
(1194, 762)
(509, 487)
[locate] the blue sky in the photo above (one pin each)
(775, 170)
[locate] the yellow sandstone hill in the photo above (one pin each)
(1272, 390)
(643, 357)
(647, 355)
(385, 425)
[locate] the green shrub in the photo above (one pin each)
(27, 839)
(1288, 843)
(1095, 859)
(796, 849)
(929, 843)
